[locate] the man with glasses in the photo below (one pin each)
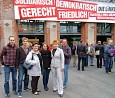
(8, 58)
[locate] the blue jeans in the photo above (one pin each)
(45, 77)
(91, 60)
(108, 64)
(87, 59)
(22, 72)
(7, 71)
(83, 63)
(66, 74)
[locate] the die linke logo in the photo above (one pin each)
(63, 10)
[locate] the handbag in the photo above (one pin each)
(91, 54)
(26, 65)
(97, 52)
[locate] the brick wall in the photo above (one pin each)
(52, 31)
(88, 28)
(84, 32)
(6, 16)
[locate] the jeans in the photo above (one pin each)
(7, 71)
(86, 60)
(91, 60)
(45, 77)
(108, 64)
(114, 58)
(22, 72)
(83, 63)
(0, 68)
(66, 74)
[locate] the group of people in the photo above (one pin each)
(103, 53)
(42, 61)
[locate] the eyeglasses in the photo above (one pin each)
(11, 40)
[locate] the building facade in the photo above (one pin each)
(47, 31)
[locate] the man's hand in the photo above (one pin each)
(111, 54)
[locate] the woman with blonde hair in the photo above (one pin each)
(57, 67)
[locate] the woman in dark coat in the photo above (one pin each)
(99, 56)
(46, 56)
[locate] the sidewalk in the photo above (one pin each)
(91, 83)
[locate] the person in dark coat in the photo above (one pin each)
(81, 51)
(99, 47)
(21, 54)
(46, 57)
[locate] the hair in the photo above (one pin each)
(55, 42)
(43, 45)
(81, 41)
(34, 43)
(99, 42)
(64, 39)
(10, 37)
(24, 38)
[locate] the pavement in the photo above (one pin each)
(91, 83)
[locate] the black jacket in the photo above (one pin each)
(20, 56)
(46, 57)
(81, 51)
(101, 49)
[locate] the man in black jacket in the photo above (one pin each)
(81, 51)
(21, 54)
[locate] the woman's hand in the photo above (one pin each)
(62, 69)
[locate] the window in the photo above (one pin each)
(103, 28)
(30, 26)
(70, 27)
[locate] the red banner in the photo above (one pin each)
(69, 10)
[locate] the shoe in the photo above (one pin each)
(91, 65)
(109, 72)
(46, 89)
(7, 95)
(38, 90)
(64, 86)
(14, 92)
(27, 89)
(36, 93)
(61, 95)
(54, 90)
(19, 94)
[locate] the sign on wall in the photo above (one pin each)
(64, 10)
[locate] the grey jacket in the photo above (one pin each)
(36, 69)
(67, 54)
